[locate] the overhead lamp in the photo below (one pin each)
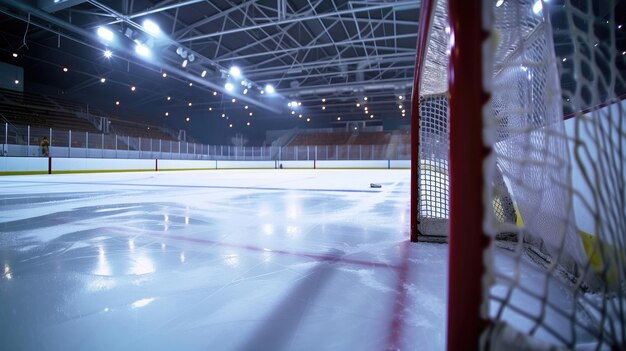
(537, 7)
(371, 116)
(17, 81)
(339, 118)
(105, 33)
(235, 72)
(248, 123)
(164, 75)
(250, 114)
(323, 100)
(184, 64)
(190, 104)
(270, 89)
(365, 98)
(234, 100)
(181, 52)
(499, 3)
(142, 50)
(15, 54)
(215, 93)
(293, 104)
(223, 115)
(169, 98)
(246, 107)
(117, 103)
(190, 84)
(210, 108)
(358, 105)
(133, 88)
(151, 27)
(228, 86)
(167, 114)
(108, 53)
(65, 69)
(323, 107)
(245, 91)
(191, 57)
(308, 120)
(102, 80)
(230, 125)
(187, 119)
(203, 74)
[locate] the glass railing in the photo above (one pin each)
(25, 141)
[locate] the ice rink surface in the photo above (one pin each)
(216, 260)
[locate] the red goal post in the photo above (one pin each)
(519, 194)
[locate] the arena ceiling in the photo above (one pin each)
(325, 55)
(328, 56)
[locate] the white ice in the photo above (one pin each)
(216, 260)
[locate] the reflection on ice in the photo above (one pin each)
(142, 302)
(234, 268)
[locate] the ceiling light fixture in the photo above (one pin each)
(229, 87)
(235, 72)
(105, 33)
(151, 27)
(203, 74)
(270, 89)
(142, 50)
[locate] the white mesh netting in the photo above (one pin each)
(557, 203)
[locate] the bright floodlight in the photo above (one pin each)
(270, 89)
(142, 50)
(537, 7)
(235, 72)
(108, 53)
(203, 74)
(151, 27)
(184, 63)
(499, 3)
(105, 33)
(229, 86)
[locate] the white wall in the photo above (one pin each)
(296, 164)
(186, 164)
(100, 164)
(64, 164)
(588, 160)
(352, 164)
(23, 164)
(245, 164)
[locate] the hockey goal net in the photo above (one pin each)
(521, 167)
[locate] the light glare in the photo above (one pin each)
(270, 89)
(235, 72)
(142, 50)
(105, 33)
(151, 27)
(537, 7)
(229, 86)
